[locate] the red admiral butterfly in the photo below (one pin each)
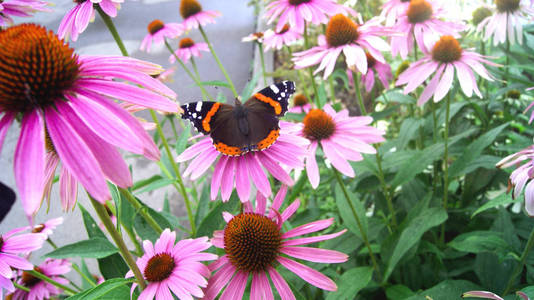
(238, 129)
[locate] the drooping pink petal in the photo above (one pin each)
(313, 239)
(315, 254)
(5, 122)
(308, 228)
(281, 285)
(308, 274)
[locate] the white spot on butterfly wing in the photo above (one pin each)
(199, 107)
(283, 94)
(274, 88)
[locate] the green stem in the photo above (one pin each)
(43, 277)
(21, 287)
(507, 68)
(446, 162)
(356, 78)
(182, 189)
(112, 29)
(387, 193)
(141, 210)
(519, 268)
(435, 140)
(173, 126)
(223, 70)
(331, 85)
(355, 215)
(195, 79)
(314, 85)
(123, 249)
(262, 59)
(133, 238)
(77, 269)
(195, 69)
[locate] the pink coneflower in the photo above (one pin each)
(77, 19)
(382, 70)
(342, 138)
(297, 12)
(446, 55)
(300, 104)
(343, 35)
(255, 244)
(13, 244)
(39, 289)
(392, 9)
(508, 21)
(158, 31)
(194, 16)
(490, 295)
(253, 37)
(187, 48)
(74, 95)
(284, 37)
(288, 150)
(19, 8)
(48, 227)
(521, 175)
(422, 20)
(174, 268)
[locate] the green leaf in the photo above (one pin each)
(412, 233)
(93, 231)
(113, 266)
(407, 132)
(448, 289)
(502, 199)
(117, 200)
(397, 97)
(216, 83)
(214, 220)
(479, 241)
(203, 204)
(398, 292)
(351, 282)
(144, 230)
(163, 182)
(181, 143)
(474, 150)
(321, 94)
(341, 74)
(346, 211)
(92, 248)
(144, 182)
(110, 289)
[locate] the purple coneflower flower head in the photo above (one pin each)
(297, 12)
(13, 244)
(173, 268)
(48, 227)
(20, 8)
(193, 15)
(342, 138)
(255, 244)
(521, 175)
(300, 104)
(187, 48)
(422, 19)
(254, 37)
(288, 151)
(284, 37)
(382, 70)
(446, 56)
(75, 97)
(508, 21)
(77, 19)
(392, 9)
(344, 35)
(39, 289)
(158, 32)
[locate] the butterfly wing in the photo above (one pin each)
(275, 97)
(202, 114)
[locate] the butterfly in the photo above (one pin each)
(243, 127)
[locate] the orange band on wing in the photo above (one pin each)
(269, 140)
(207, 119)
(277, 107)
(228, 150)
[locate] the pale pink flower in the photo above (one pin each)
(187, 48)
(158, 32)
(278, 39)
(446, 56)
(13, 244)
(343, 35)
(300, 104)
(75, 96)
(48, 227)
(253, 37)
(422, 20)
(255, 244)
(520, 176)
(288, 151)
(392, 9)
(173, 268)
(382, 70)
(297, 12)
(508, 21)
(490, 295)
(20, 8)
(193, 15)
(77, 19)
(39, 289)
(342, 138)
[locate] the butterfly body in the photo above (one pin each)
(252, 126)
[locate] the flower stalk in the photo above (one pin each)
(113, 30)
(43, 277)
(141, 210)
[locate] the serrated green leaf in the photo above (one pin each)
(351, 282)
(92, 248)
(117, 287)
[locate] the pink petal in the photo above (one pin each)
(258, 176)
(313, 239)
(68, 189)
(278, 200)
(5, 122)
(290, 210)
(227, 182)
(315, 254)
(311, 166)
(216, 178)
(275, 169)
(308, 228)
(337, 160)
(242, 181)
(445, 83)
(281, 285)
(308, 274)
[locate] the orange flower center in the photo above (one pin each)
(38, 228)
(258, 35)
(371, 61)
(1, 242)
(299, 100)
(189, 8)
(318, 125)
(297, 2)
(159, 267)
(36, 68)
(446, 50)
(29, 280)
(480, 14)
(155, 26)
(284, 29)
(419, 11)
(341, 31)
(252, 242)
(186, 43)
(507, 5)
